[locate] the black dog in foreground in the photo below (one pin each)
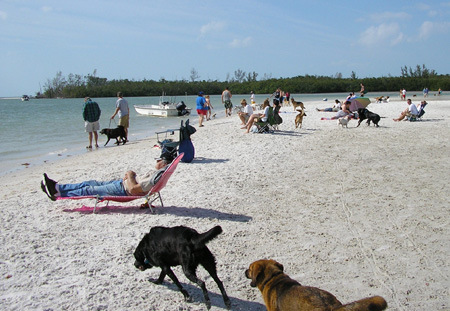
(168, 247)
(115, 133)
(363, 114)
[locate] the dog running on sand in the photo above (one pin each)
(342, 122)
(281, 293)
(363, 114)
(168, 247)
(299, 117)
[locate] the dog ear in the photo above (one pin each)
(279, 265)
(256, 273)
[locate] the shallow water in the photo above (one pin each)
(42, 130)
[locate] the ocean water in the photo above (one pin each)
(42, 130)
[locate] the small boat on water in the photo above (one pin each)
(163, 109)
(25, 98)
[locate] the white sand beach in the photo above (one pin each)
(357, 212)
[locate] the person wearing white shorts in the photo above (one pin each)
(91, 116)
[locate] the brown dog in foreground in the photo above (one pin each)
(297, 104)
(281, 293)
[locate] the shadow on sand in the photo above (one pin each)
(195, 212)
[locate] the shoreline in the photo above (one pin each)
(357, 212)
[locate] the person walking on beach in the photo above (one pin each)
(361, 92)
(126, 186)
(202, 108)
(226, 101)
(91, 116)
(123, 111)
(403, 94)
(209, 108)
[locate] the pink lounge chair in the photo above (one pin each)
(152, 195)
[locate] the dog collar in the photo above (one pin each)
(146, 261)
(267, 281)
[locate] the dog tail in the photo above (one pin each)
(204, 238)
(376, 303)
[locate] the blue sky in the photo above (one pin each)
(166, 39)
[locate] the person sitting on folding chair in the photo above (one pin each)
(262, 116)
(120, 187)
(410, 112)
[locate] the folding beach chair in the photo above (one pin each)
(421, 111)
(273, 120)
(265, 126)
(150, 197)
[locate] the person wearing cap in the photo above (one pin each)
(202, 108)
(128, 185)
(91, 115)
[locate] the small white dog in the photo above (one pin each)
(342, 122)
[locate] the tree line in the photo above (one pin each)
(78, 86)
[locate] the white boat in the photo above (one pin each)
(163, 109)
(25, 98)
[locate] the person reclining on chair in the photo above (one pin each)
(262, 116)
(128, 186)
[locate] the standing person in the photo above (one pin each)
(276, 97)
(425, 92)
(403, 94)
(361, 92)
(201, 108)
(252, 98)
(91, 115)
(123, 111)
(209, 108)
(226, 101)
(288, 96)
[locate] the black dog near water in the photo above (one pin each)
(115, 133)
(363, 114)
(168, 247)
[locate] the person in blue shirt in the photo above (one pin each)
(202, 108)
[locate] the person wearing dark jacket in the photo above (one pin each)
(91, 116)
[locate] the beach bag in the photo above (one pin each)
(186, 145)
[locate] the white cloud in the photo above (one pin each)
(46, 9)
(239, 43)
(429, 28)
(3, 15)
(382, 34)
(390, 16)
(212, 27)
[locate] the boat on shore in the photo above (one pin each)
(163, 109)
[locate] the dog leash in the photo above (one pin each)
(109, 126)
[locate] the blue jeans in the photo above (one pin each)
(93, 187)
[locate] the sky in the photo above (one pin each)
(168, 39)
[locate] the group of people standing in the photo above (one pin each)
(91, 116)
